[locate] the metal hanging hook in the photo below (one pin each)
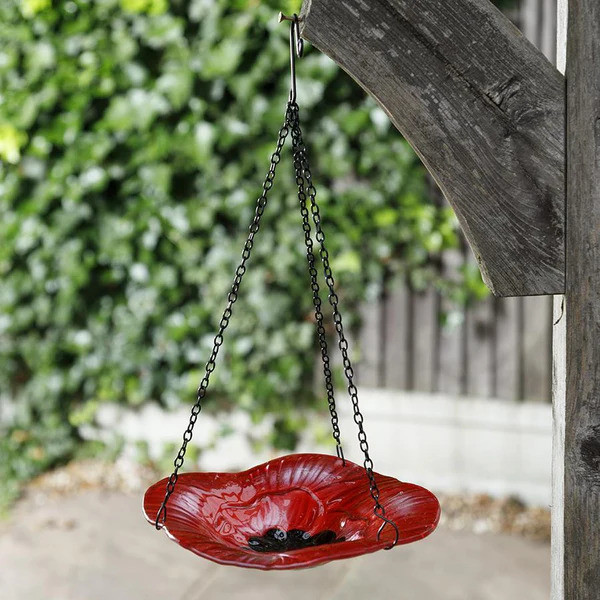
(296, 49)
(381, 514)
(294, 31)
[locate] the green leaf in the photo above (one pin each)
(222, 59)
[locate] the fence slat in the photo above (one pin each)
(368, 366)
(547, 42)
(424, 327)
(479, 321)
(507, 339)
(537, 342)
(396, 312)
(450, 350)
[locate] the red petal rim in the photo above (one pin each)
(215, 515)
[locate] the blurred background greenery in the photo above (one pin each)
(134, 136)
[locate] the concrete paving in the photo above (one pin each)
(97, 546)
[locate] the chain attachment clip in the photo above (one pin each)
(296, 49)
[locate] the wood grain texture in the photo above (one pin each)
(481, 106)
(582, 426)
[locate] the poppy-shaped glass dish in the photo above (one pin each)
(300, 510)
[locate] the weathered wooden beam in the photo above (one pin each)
(481, 106)
(582, 424)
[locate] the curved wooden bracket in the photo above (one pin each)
(484, 110)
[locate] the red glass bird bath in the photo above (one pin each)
(300, 510)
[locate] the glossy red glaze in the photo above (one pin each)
(215, 514)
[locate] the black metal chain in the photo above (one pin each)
(292, 113)
(218, 341)
(306, 186)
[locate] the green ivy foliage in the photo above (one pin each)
(134, 136)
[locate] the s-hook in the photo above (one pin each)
(296, 49)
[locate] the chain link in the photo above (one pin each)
(306, 197)
(302, 165)
(218, 341)
(296, 146)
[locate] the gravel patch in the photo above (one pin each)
(481, 513)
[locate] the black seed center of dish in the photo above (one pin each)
(278, 540)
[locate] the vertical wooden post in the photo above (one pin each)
(559, 380)
(559, 340)
(576, 547)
